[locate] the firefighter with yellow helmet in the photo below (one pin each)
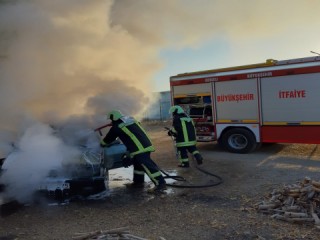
(183, 130)
(139, 145)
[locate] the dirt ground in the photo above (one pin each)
(225, 211)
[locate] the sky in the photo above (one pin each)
(233, 33)
(64, 64)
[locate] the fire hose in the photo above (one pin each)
(180, 178)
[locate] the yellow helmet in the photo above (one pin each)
(176, 109)
(115, 115)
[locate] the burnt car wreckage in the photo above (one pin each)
(1, 163)
(87, 176)
(90, 175)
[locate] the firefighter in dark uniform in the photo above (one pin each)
(183, 130)
(138, 144)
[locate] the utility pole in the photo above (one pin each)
(315, 53)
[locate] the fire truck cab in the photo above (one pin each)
(241, 107)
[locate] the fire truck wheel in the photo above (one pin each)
(239, 140)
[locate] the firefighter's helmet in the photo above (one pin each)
(115, 115)
(176, 110)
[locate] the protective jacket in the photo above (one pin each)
(131, 134)
(184, 130)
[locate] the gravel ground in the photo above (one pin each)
(225, 211)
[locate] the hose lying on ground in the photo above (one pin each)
(180, 178)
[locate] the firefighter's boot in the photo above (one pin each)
(184, 165)
(158, 189)
(135, 185)
(199, 158)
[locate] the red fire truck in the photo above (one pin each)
(244, 106)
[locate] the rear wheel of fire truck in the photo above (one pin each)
(239, 140)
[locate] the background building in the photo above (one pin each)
(159, 110)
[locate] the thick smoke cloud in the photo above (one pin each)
(63, 67)
(64, 53)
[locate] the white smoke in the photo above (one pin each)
(37, 152)
(63, 67)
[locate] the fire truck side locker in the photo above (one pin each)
(290, 108)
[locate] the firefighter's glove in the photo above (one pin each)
(126, 161)
(102, 144)
(170, 133)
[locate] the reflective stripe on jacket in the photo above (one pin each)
(184, 129)
(131, 134)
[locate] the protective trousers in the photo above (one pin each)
(142, 163)
(183, 154)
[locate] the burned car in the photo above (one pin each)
(86, 176)
(89, 176)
